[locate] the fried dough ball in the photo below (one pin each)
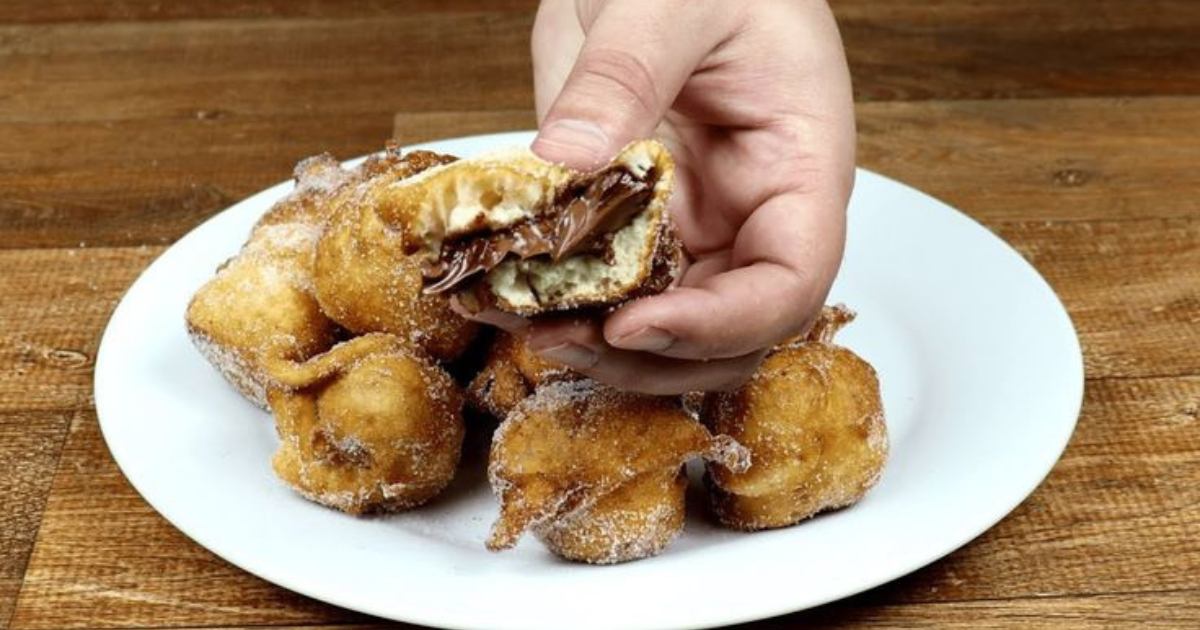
(370, 428)
(597, 474)
(259, 311)
(366, 276)
(511, 371)
(812, 419)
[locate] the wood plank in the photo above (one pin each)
(179, 172)
(104, 558)
(1042, 160)
(415, 127)
(138, 70)
(183, 170)
(9, 587)
(30, 444)
(1012, 161)
(55, 305)
(1131, 287)
(33, 11)
(1149, 610)
(951, 49)
(907, 49)
(1116, 515)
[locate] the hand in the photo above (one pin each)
(754, 101)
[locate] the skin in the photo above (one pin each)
(754, 101)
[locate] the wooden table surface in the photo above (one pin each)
(1071, 128)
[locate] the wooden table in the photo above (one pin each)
(1071, 128)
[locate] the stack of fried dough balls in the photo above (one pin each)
(321, 319)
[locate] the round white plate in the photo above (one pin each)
(982, 380)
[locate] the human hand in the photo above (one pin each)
(754, 101)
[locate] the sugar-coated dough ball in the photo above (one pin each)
(812, 419)
(382, 432)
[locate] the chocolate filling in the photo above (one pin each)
(581, 219)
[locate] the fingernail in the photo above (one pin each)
(646, 339)
(577, 143)
(571, 355)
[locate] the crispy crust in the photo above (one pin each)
(812, 417)
(367, 427)
(511, 371)
(594, 471)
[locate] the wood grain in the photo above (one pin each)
(1042, 160)
(1026, 160)
(106, 559)
(905, 49)
(32, 11)
(55, 305)
(1123, 499)
(29, 449)
(1125, 493)
(1152, 610)
(415, 127)
(277, 67)
(953, 49)
(1131, 287)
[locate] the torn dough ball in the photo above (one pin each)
(367, 427)
(513, 232)
(812, 418)
(366, 276)
(597, 473)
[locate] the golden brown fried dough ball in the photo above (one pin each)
(259, 310)
(596, 473)
(366, 277)
(812, 419)
(371, 428)
(511, 371)
(260, 313)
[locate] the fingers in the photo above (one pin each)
(633, 62)
(767, 289)
(508, 322)
(580, 345)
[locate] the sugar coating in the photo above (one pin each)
(588, 468)
(812, 418)
(377, 430)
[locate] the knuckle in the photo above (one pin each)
(624, 72)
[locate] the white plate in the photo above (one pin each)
(982, 381)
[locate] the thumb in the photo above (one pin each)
(635, 59)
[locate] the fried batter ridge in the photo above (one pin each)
(369, 426)
(812, 419)
(597, 473)
(511, 371)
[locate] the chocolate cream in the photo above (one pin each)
(580, 219)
